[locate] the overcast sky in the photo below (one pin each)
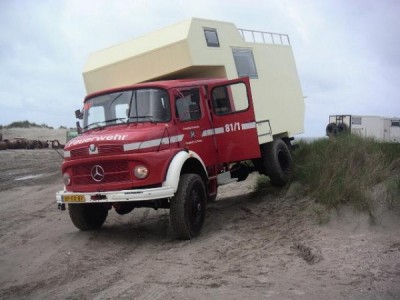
(347, 52)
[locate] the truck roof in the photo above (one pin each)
(165, 84)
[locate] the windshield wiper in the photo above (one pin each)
(94, 124)
(117, 119)
(123, 120)
(141, 117)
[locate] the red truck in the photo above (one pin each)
(170, 143)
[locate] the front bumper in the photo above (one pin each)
(63, 197)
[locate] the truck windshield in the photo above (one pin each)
(140, 105)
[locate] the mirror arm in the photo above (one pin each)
(78, 127)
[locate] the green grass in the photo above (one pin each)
(343, 170)
(393, 191)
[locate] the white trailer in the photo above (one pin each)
(381, 128)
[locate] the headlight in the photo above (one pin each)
(66, 179)
(141, 172)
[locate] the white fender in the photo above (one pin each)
(175, 167)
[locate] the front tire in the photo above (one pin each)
(88, 216)
(188, 207)
(278, 162)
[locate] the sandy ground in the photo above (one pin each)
(250, 247)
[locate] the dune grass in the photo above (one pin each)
(343, 171)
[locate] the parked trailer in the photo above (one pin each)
(381, 128)
(172, 115)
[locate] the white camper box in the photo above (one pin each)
(381, 128)
(200, 48)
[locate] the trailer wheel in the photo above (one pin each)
(88, 216)
(341, 128)
(277, 162)
(331, 129)
(188, 207)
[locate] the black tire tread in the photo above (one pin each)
(179, 225)
(273, 168)
(88, 216)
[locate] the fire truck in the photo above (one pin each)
(174, 114)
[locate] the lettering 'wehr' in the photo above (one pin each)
(115, 137)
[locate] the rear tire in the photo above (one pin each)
(188, 207)
(88, 216)
(341, 128)
(277, 162)
(331, 129)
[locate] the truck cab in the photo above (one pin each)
(139, 140)
(172, 115)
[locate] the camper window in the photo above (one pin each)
(211, 37)
(356, 121)
(244, 62)
(395, 123)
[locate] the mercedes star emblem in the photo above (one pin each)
(97, 173)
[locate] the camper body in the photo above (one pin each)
(383, 129)
(171, 116)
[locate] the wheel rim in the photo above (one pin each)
(196, 211)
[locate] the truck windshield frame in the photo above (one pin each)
(127, 106)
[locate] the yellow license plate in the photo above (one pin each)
(74, 198)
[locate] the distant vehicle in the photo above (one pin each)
(381, 128)
(172, 115)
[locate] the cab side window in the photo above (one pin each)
(227, 99)
(221, 101)
(187, 105)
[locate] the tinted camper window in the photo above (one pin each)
(211, 37)
(244, 62)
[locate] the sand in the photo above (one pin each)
(250, 247)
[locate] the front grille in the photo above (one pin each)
(110, 149)
(102, 150)
(80, 152)
(114, 171)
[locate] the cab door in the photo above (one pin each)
(233, 121)
(193, 121)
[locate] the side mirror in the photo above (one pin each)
(79, 114)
